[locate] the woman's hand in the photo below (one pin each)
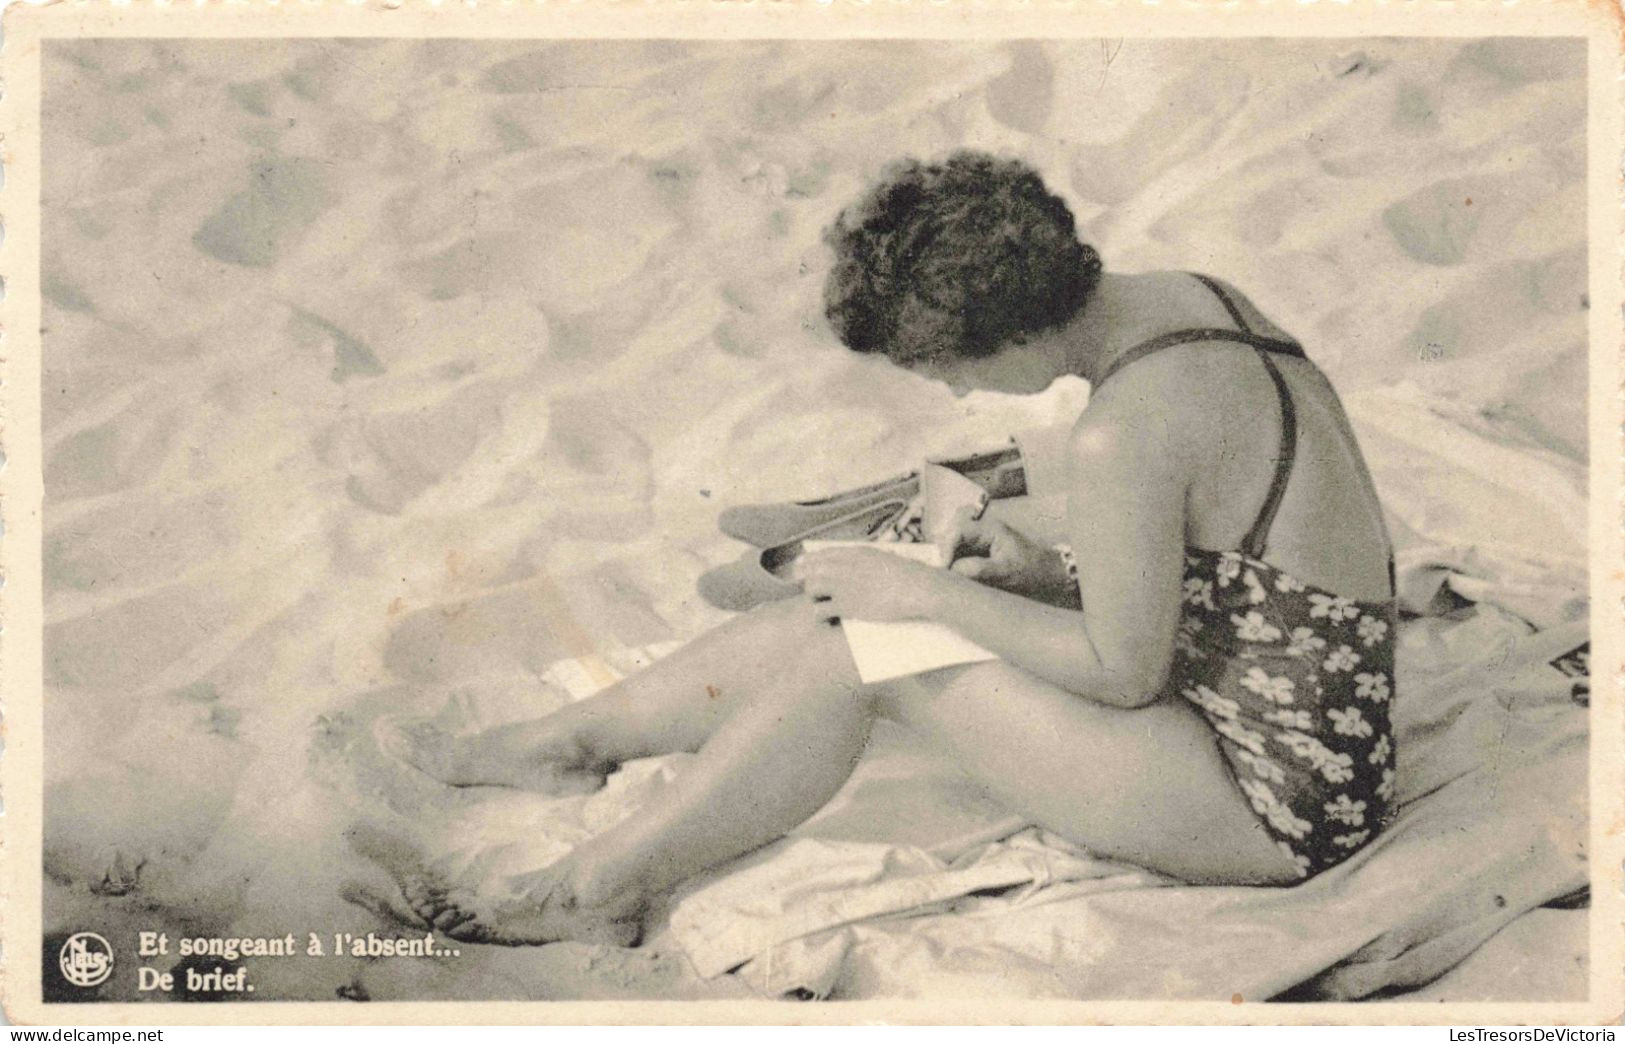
(992, 553)
(860, 583)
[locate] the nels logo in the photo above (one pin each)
(86, 959)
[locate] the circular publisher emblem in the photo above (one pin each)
(86, 959)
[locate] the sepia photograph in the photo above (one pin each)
(783, 520)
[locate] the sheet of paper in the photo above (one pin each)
(883, 651)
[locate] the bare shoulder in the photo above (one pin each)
(1170, 407)
(1176, 381)
(1158, 407)
(1257, 320)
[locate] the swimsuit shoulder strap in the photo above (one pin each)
(1245, 335)
(1253, 544)
(1272, 344)
(1197, 334)
(1223, 295)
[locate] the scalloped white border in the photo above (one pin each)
(24, 25)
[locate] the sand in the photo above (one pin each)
(379, 372)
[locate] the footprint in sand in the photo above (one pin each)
(1515, 61)
(1185, 121)
(118, 829)
(126, 451)
(393, 457)
(285, 195)
(1438, 224)
(1021, 97)
(133, 545)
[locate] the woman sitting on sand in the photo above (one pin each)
(1199, 684)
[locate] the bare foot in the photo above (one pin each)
(540, 907)
(544, 909)
(528, 756)
(120, 871)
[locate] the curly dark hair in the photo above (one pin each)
(958, 257)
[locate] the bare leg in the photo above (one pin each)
(1146, 785)
(674, 705)
(779, 758)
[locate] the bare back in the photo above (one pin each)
(1329, 530)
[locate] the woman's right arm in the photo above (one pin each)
(994, 553)
(1126, 519)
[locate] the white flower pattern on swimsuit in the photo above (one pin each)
(1349, 722)
(1254, 628)
(1290, 719)
(1308, 739)
(1339, 768)
(1241, 734)
(1343, 658)
(1276, 690)
(1335, 766)
(1282, 819)
(1260, 796)
(1262, 767)
(1373, 687)
(1331, 607)
(1288, 584)
(1372, 630)
(1299, 858)
(1305, 642)
(1346, 810)
(1266, 804)
(1212, 702)
(1303, 745)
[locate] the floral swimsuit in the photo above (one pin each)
(1296, 681)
